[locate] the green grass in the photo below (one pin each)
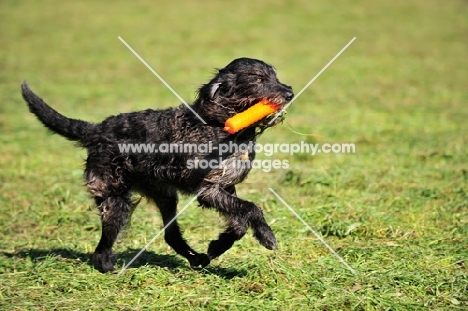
(396, 210)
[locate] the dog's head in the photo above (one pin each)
(238, 86)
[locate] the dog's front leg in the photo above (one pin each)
(241, 214)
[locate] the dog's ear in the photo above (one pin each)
(214, 89)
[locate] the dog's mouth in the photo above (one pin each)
(275, 117)
(260, 114)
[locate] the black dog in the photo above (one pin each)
(112, 174)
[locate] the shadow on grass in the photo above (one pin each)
(169, 262)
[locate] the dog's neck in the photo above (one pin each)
(211, 112)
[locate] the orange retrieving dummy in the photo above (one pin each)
(250, 116)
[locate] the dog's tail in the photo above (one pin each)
(70, 128)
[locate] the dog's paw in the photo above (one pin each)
(266, 237)
(199, 260)
(103, 261)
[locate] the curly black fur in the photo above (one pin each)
(111, 176)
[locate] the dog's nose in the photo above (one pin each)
(289, 96)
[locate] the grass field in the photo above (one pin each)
(396, 210)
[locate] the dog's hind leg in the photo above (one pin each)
(113, 198)
(115, 212)
(241, 214)
(167, 204)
